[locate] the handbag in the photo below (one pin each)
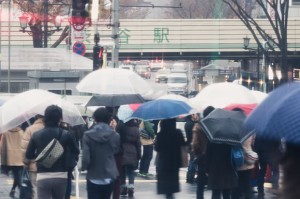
(26, 191)
(51, 153)
(144, 134)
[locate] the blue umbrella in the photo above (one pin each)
(162, 109)
(278, 116)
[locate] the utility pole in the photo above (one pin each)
(115, 32)
(9, 38)
(46, 4)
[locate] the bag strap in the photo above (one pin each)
(59, 134)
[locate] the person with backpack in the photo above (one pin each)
(147, 142)
(245, 171)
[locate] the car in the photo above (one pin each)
(179, 67)
(127, 67)
(156, 66)
(162, 75)
(143, 71)
(177, 84)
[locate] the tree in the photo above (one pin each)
(36, 10)
(202, 9)
(276, 12)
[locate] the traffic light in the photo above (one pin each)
(79, 8)
(97, 53)
(80, 14)
(97, 57)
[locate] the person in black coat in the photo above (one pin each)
(168, 146)
(55, 177)
(191, 120)
(222, 177)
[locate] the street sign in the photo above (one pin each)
(79, 48)
(225, 72)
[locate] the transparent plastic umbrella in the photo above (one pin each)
(220, 95)
(114, 81)
(25, 105)
(125, 112)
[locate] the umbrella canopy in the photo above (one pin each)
(278, 116)
(26, 105)
(176, 97)
(220, 95)
(259, 96)
(162, 109)
(115, 100)
(125, 112)
(114, 81)
(2, 102)
(247, 108)
(223, 126)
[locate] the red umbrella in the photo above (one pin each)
(134, 106)
(247, 108)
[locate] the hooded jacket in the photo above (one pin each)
(100, 143)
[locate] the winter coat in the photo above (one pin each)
(221, 174)
(11, 151)
(100, 144)
(199, 145)
(131, 145)
(40, 139)
(36, 126)
(188, 127)
(168, 146)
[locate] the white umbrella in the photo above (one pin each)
(259, 96)
(220, 95)
(24, 106)
(114, 81)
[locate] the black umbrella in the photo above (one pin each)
(222, 126)
(115, 100)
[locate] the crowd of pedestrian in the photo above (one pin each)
(115, 151)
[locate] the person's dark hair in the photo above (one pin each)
(188, 118)
(208, 110)
(168, 125)
(102, 115)
(53, 115)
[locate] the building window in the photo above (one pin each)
(15, 87)
(295, 2)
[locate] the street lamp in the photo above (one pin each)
(24, 24)
(246, 42)
(267, 45)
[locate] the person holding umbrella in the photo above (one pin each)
(168, 146)
(199, 145)
(223, 129)
(131, 154)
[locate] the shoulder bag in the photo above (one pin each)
(51, 153)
